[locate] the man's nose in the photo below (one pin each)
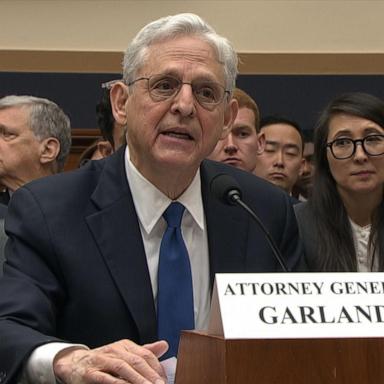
(184, 101)
(230, 144)
(306, 168)
(279, 159)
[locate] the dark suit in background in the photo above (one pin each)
(4, 197)
(307, 230)
(3, 210)
(3, 236)
(88, 277)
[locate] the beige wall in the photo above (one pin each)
(272, 26)
(272, 36)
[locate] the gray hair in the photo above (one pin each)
(46, 120)
(167, 28)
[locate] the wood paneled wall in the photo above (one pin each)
(81, 140)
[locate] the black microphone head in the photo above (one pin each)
(225, 188)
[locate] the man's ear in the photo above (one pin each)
(230, 114)
(49, 150)
(301, 170)
(260, 143)
(105, 148)
(119, 97)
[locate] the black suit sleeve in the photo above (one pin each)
(290, 243)
(29, 289)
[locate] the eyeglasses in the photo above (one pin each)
(109, 84)
(208, 94)
(344, 148)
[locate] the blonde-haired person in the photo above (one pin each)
(240, 146)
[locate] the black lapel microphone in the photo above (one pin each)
(228, 190)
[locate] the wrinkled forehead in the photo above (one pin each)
(15, 113)
(182, 51)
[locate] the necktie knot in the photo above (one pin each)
(173, 214)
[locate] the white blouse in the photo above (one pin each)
(361, 239)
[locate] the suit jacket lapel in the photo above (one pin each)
(227, 228)
(116, 231)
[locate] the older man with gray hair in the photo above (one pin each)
(35, 139)
(112, 261)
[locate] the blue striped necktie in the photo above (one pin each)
(175, 294)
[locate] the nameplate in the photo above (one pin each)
(298, 305)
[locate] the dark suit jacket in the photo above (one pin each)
(76, 268)
(294, 200)
(4, 197)
(308, 235)
(3, 240)
(3, 210)
(3, 236)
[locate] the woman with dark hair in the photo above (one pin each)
(342, 224)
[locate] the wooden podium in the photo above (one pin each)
(207, 359)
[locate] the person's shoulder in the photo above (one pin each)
(87, 174)
(294, 200)
(3, 210)
(213, 168)
(301, 208)
(252, 186)
(67, 194)
(304, 214)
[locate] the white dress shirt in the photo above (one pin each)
(150, 204)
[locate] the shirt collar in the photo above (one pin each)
(150, 203)
(357, 227)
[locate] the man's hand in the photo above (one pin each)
(121, 362)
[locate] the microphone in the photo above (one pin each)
(228, 190)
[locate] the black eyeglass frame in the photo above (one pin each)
(207, 105)
(354, 142)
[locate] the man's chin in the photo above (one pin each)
(234, 163)
(279, 183)
(178, 161)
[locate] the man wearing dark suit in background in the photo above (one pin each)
(240, 147)
(80, 292)
(281, 162)
(3, 211)
(35, 139)
(113, 133)
(3, 236)
(4, 196)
